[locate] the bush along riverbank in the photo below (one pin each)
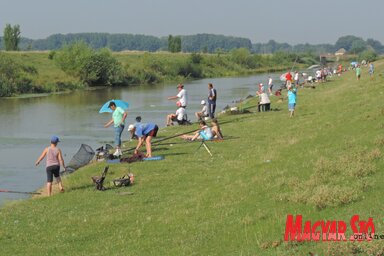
(325, 163)
(77, 66)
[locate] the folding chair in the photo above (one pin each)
(185, 121)
(99, 181)
(204, 138)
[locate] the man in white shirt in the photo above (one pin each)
(296, 78)
(176, 117)
(182, 96)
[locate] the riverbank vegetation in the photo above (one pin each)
(325, 164)
(77, 66)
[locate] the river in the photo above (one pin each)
(28, 123)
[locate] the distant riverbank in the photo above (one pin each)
(39, 72)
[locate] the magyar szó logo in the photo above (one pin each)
(330, 230)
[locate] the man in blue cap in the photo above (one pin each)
(54, 159)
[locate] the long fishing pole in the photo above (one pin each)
(19, 192)
(160, 140)
(294, 63)
(174, 136)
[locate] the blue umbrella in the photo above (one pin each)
(119, 103)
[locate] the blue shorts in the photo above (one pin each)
(291, 106)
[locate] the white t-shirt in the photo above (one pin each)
(264, 98)
(180, 112)
(182, 95)
(270, 82)
(296, 77)
(204, 110)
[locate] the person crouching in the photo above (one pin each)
(144, 132)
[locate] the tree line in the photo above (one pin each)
(205, 43)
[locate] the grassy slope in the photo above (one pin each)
(46, 68)
(325, 163)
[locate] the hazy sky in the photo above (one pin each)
(290, 21)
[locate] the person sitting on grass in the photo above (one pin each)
(203, 113)
(178, 116)
(204, 133)
(216, 131)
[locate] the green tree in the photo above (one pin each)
(240, 56)
(15, 77)
(72, 58)
(11, 37)
(368, 55)
(89, 66)
(102, 69)
(174, 43)
(346, 42)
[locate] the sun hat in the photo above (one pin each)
(131, 127)
(55, 139)
(202, 102)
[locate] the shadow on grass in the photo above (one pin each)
(174, 154)
(83, 187)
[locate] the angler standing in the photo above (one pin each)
(212, 96)
(54, 159)
(118, 119)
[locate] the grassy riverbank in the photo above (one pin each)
(39, 72)
(325, 163)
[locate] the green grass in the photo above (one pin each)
(325, 163)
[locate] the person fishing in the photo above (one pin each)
(212, 96)
(204, 133)
(144, 132)
(182, 96)
(118, 119)
(53, 162)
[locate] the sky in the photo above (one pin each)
(285, 21)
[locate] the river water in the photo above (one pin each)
(28, 123)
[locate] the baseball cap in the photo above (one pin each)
(131, 127)
(202, 102)
(55, 139)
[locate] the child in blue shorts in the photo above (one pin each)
(291, 100)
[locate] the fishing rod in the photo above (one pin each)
(174, 136)
(160, 140)
(170, 137)
(294, 63)
(19, 192)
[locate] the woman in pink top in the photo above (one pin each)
(54, 159)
